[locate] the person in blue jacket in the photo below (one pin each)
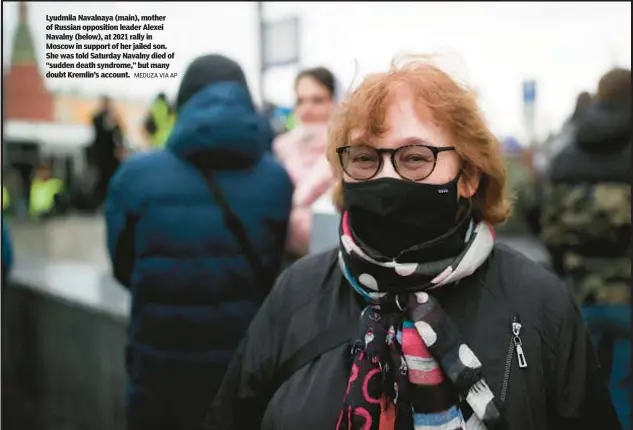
(196, 233)
(7, 253)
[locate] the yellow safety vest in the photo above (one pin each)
(291, 122)
(6, 199)
(42, 196)
(164, 121)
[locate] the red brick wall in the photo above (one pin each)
(26, 97)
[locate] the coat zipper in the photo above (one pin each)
(514, 344)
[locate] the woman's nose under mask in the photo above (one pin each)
(391, 215)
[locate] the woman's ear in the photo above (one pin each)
(468, 183)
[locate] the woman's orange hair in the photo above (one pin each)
(454, 108)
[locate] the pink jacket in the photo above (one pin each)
(302, 152)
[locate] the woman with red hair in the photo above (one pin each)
(418, 320)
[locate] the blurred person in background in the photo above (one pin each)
(528, 173)
(6, 200)
(418, 319)
(107, 148)
(47, 197)
(587, 227)
(291, 122)
(539, 159)
(159, 121)
(521, 184)
(196, 232)
(302, 152)
(7, 248)
(7, 252)
(277, 116)
(561, 140)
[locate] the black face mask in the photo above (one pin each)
(391, 215)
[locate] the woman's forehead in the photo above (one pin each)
(404, 124)
(406, 119)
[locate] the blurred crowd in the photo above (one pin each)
(200, 226)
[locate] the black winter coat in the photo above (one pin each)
(560, 387)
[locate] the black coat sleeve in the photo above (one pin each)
(245, 391)
(582, 399)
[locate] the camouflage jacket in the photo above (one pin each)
(588, 227)
(586, 212)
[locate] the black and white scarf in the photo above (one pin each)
(411, 370)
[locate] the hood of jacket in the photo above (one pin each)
(216, 116)
(219, 121)
(604, 128)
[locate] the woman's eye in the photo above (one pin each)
(416, 159)
(364, 158)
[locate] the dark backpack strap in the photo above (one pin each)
(124, 252)
(323, 343)
(236, 227)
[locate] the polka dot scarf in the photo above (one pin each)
(410, 368)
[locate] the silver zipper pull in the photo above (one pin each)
(516, 330)
(521, 356)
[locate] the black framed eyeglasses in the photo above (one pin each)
(411, 162)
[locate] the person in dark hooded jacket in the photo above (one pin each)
(197, 274)
(587, 227)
